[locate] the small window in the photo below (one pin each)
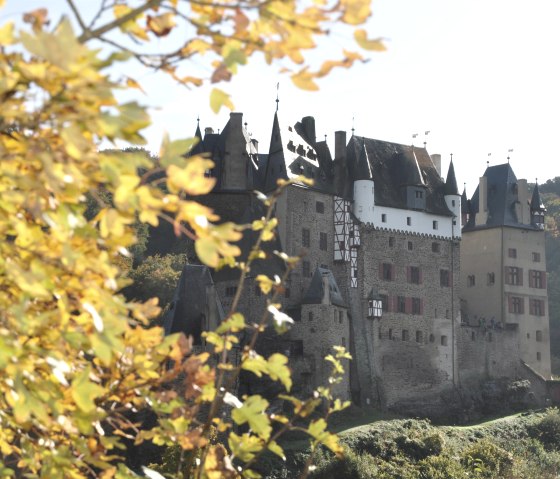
(536, 257)
(512, 253)
(516, 305)
(383, 218)
(409, 246)
(432, 338)
(408, 220)
(453, 203)
(405, 334)
(538, 336)
(306, 269)
(538, 356)
(514, 276)
(320, 207)
(340, 316)
(419, 194)
(473, 336)
(444, 278)
(470, 280)
(384, 302)
(434, 225)
(323, 241)
(537, 279)
(444, 340)
(435, 247)
(536, 307)
(414, 275)
(416, 306)
(419, 336)
(231, 290)
(491, 279)
(401, 304)
(310, 316)
(387, 271)
(305, 237)
(391, 241)
(390, 333)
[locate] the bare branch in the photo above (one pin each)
(76, 13)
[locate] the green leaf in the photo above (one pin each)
(233, 324)
(279, 371)
(171, 152)
(84, 391)
(253, 413)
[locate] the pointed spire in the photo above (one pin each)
(277, 93)
(451, 181)
(363, 169)
(464, 201)
(198, 133)
(536, 201)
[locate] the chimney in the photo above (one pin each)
(482, 213)
(308, 123)
(436, 160)
(523, 198)
(326, 289)
(208, 130)
(339, 162)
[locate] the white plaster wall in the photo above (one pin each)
(421, 222)
(364, 201)
(454, 204)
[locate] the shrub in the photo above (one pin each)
(547, 430)
(440, 467)
(487, 460)
(419, 448)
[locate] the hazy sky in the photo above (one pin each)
(483, 76)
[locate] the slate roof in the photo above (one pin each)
(502, 198)
(536, 201)
(464, 202)
(451, 181)
(190, 300)
(393, 167)
(316, 291)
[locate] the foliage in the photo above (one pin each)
(79, 364)
(485, 459)
(547, 430)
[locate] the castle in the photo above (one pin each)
(432, 293)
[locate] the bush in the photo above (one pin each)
(351, 466)
(488, 460)
(547, 430)
(419, 448)
(441, 467)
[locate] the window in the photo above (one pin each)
(390, 333)
(444, 340)
(306, 269)
(409, 246)
(538, 336)
(340, 316)
(444, 278)
(323, 241)
(473, 336)
(384, 302)
(419, 194)
(537, 279)
(416, 306)
(414, 274)
(536, 307)
(419, 336)
(470, 280)
(408, 220)
(512, 253)
(434, 225)
(453, 203)
(310, 316)
(387, 272)
(320, 207)
(305, 238)
(432, 338)
(514, 276)
(536, 257)
(490, 279)
(231, 290)
(516, 305)
(391, 241)
(405, 334)
(383, 218)
(538, 356)
(435, 247)
(401, 304)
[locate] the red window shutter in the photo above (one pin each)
(393, 275)
(520, 276)
(543, 279)
(531, 306)
(522, 310)
(421, 275)
(531, 279)
(421, 306)
(408, 305)
(408, 274)
(543, 312)
(510, 304)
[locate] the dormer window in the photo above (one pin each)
(419, 194)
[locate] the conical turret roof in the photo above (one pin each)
(451, 181)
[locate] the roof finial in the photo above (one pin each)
(353, 129)
(277, 93)
(198, 120)
(414, 135)
(509, 151)
(451, 157)
(325, 138)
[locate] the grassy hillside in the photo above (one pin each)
(524, 446)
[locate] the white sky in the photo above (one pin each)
(483, 76)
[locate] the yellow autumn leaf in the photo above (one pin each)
(7, 33)
(304, 80)
(361, 38)
(161, 25)
(218, 99)
(120, 10)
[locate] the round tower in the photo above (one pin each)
(364, 197)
